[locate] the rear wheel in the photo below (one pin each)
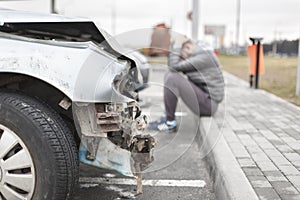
(38, 155)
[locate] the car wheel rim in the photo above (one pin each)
(17, 175)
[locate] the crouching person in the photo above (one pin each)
(195, 76)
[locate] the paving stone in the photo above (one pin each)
(288, 139)
(269, 125)
(282, 135)
(259, 182)
(296, 163)
(240, 132)
(269, 135)
(266, 145)
(273, 152)
(253, 133)
(284, 187)
(260, 139)
(280, 160)
(266, 166)
(247, 140)
(246, 162)
(277, 130)
(277, 142)
(239, 150)
(233, 123)
(259, 126)
(295, 180)
(295, 145)
(293, 133)
(288, 170)
(274, 176)
(267, 194)
(290, 196)
(260, 157)
(284, 148)
(252, 171)
(254, 149)
(292, 156)
(230, 135)
(272, 173)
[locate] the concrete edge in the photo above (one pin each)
(229, 181)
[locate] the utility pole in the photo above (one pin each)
(274, 47)
(53, 6)
(195, 20)
(238, 19)
(298, 73)
(113, 17)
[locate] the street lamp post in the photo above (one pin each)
(113, 17)
(238, 19)
(195, 20)
(53, 6)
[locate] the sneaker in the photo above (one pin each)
(162, 125)
(161, 120)
(153, 125)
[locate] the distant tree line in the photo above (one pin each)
(283, 47)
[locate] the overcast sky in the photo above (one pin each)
(267, 18)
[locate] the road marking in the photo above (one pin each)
(178, 114)
(153, 183)
(151, 94)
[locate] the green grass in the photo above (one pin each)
(279, 78)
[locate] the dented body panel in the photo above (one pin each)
(98, 80)
(79, 70)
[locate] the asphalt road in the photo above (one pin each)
(177, 159)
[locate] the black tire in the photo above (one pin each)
(49, 141)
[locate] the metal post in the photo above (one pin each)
(195, 20)
(53, 6)
(298, 73)
(238, 16)
(251, 81)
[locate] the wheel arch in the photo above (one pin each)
(40, 90)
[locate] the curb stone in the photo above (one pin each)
(229, 181)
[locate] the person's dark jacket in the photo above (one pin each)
(202, 68)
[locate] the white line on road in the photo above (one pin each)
(177, 114)
(157, 183)
(151, 94)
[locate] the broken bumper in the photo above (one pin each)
(113, 137)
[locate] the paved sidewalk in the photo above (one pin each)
(263, 133)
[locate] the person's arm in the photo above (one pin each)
(192, 63)
(173, 57)
(176, 63)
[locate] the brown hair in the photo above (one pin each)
(187, 42)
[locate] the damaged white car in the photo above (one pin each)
(67, 94)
